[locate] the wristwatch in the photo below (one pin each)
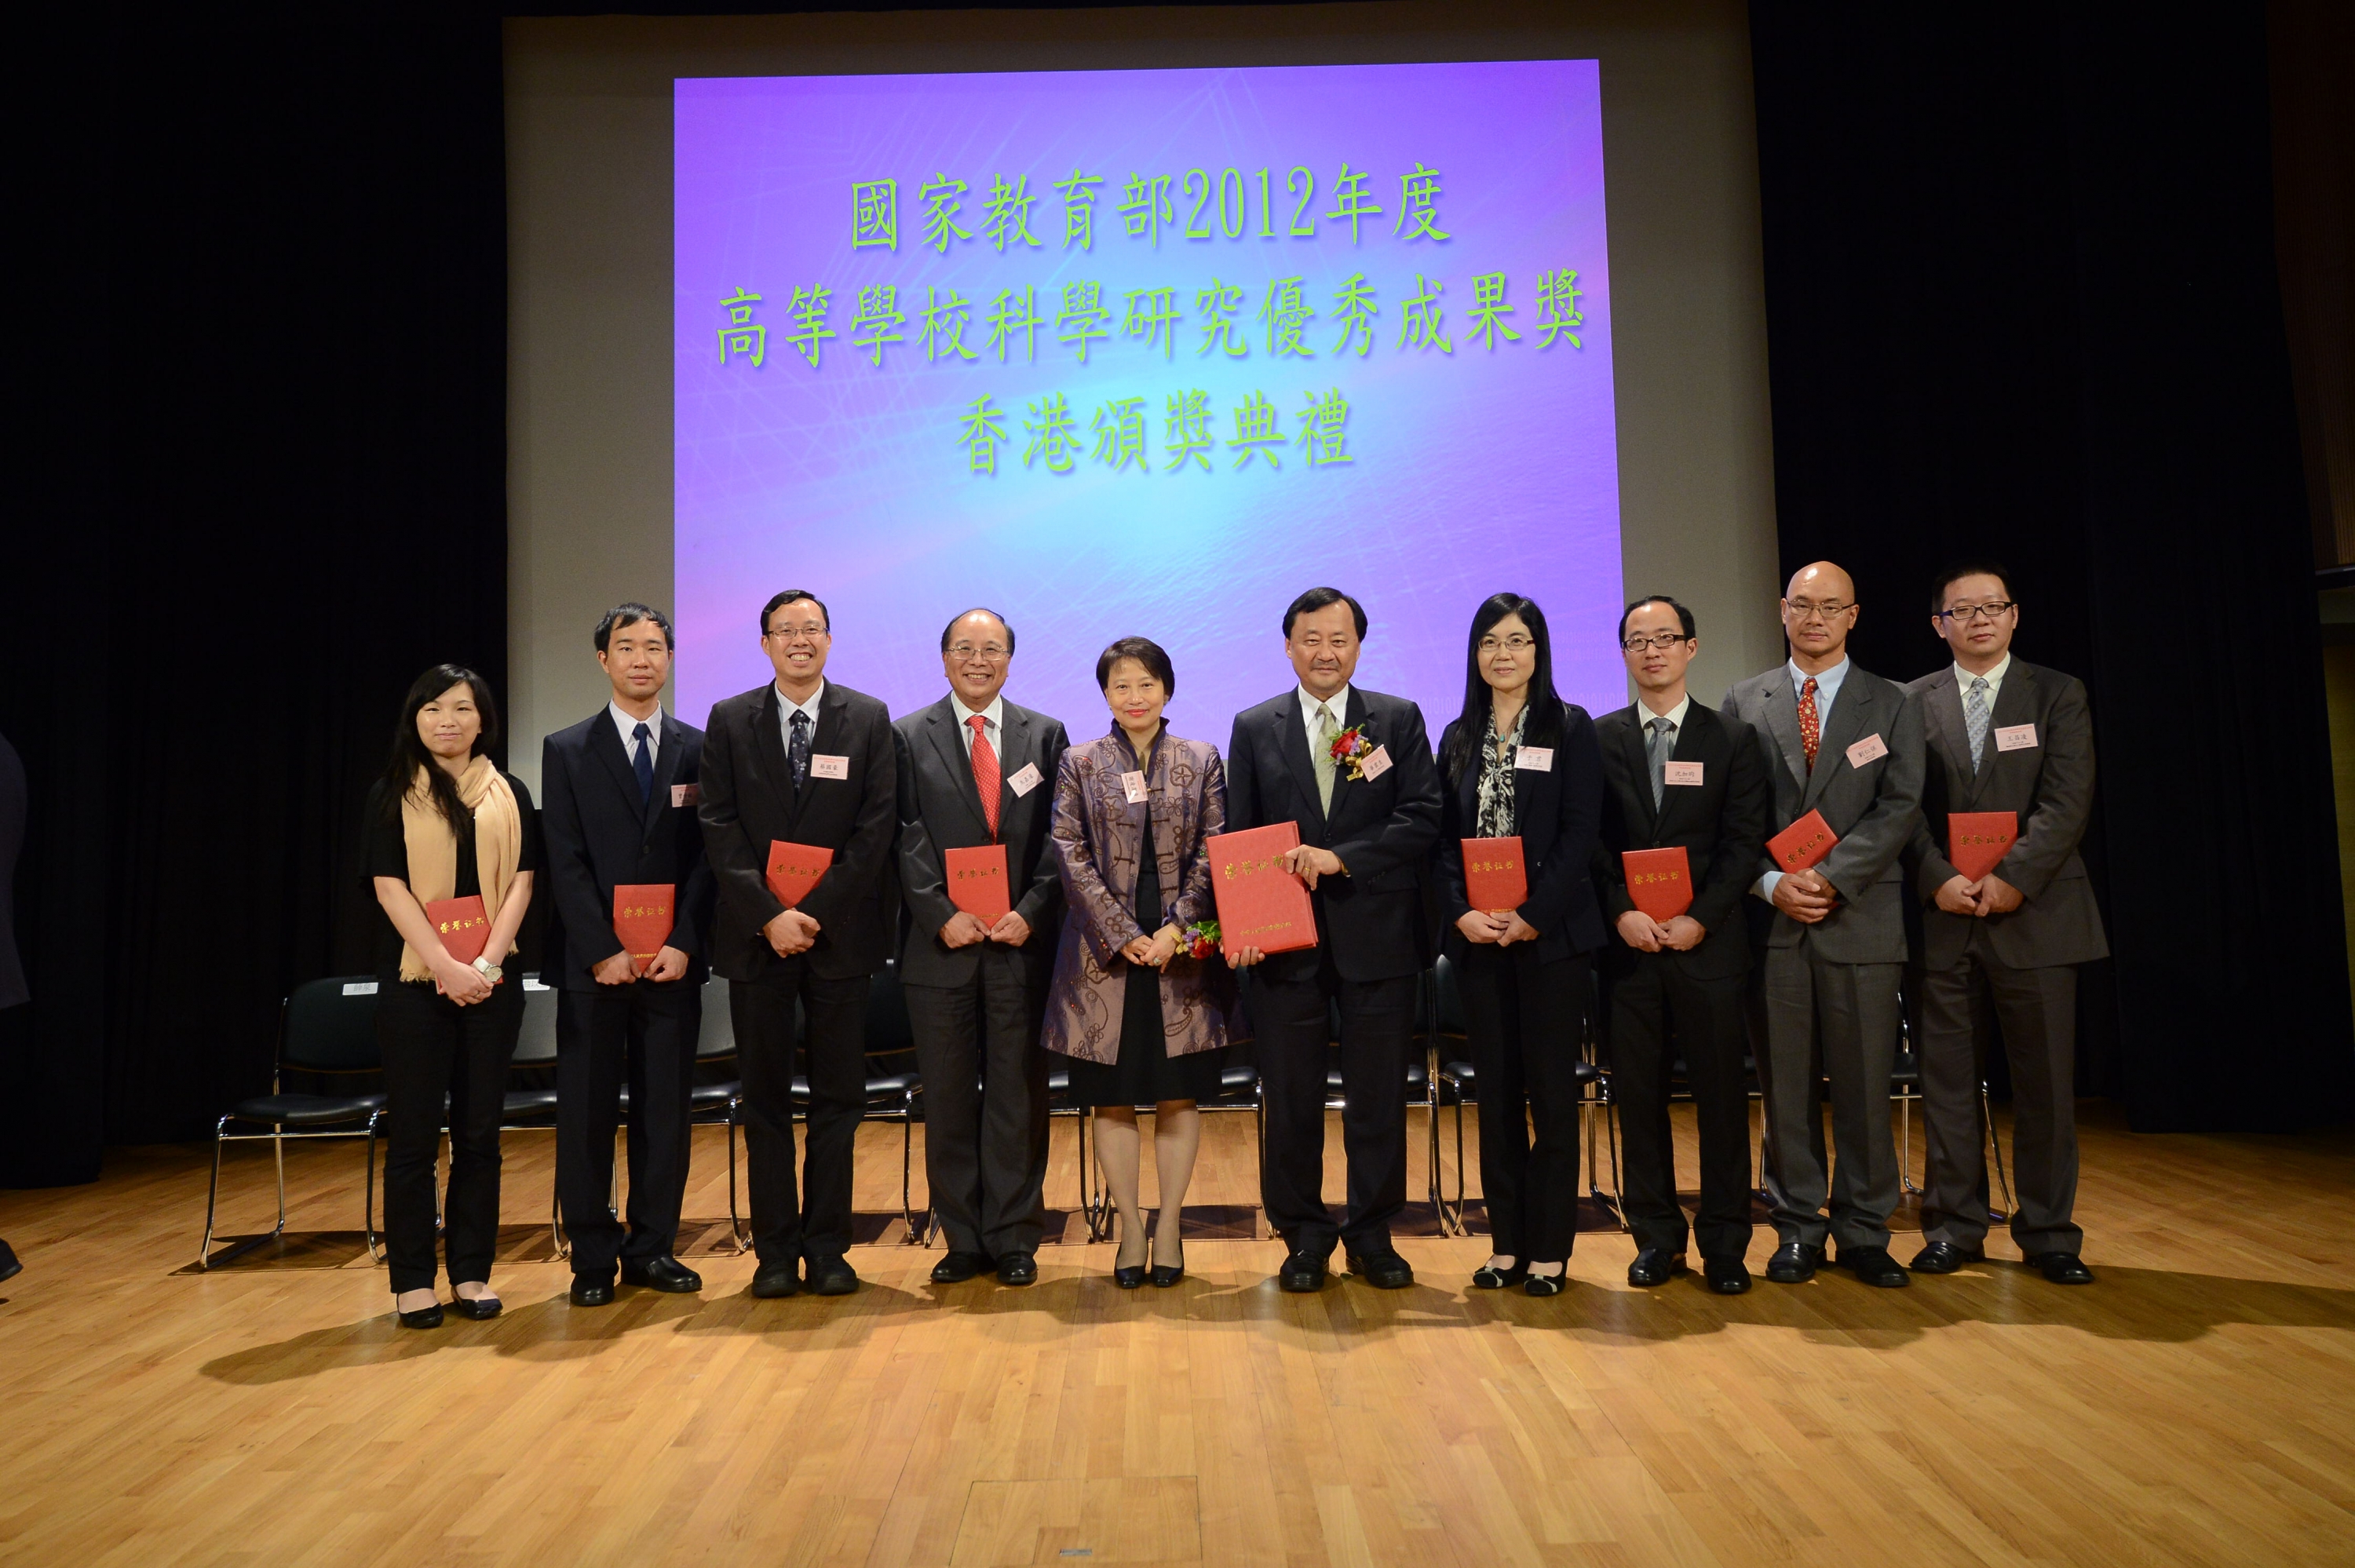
(488, 970)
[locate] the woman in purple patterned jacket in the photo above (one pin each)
(1142, 1022)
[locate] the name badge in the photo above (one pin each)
(824, 767)
(1682, 773)
(1133, 783)
(1022, 783)
(1375, 763)
(2016, 738)
(1869, 749)
(686, 794)
(1535, 758)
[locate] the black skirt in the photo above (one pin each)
(1146, 1073)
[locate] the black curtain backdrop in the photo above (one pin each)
(2022, 301)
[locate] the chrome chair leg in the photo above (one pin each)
(212, 1197)
(907, 1165)
(736, 1228)
(278, 1149)
(367, 1203)
(1987, 1115)
(1905, 1154)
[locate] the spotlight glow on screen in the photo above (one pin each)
(1339, 324)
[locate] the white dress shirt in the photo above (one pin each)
(1994, 678)
(1827, 688)
(993, 719)
(628, 726)
(1338, 702)
(787, 709)
(1675, 715)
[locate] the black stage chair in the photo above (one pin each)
(1455, 1081)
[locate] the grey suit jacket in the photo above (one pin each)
(940, 810)
(1873, 808)
(2050, 786)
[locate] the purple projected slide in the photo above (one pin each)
(1145, 353)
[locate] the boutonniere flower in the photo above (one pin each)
(1349, 750)
(1198, 940)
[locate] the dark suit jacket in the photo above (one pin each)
(2049, 785)
(1556, 811)
(1720, 823)
(749, 801)
(939, 809)
(1372, 920)
(13, 803)
(1874, 809)
(598, 833)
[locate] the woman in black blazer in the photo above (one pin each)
(1521, 763)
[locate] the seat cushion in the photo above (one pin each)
(525, 1105)
(308, 1110)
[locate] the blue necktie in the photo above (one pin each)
(642, 763)
(1976, 719)
(797, 754)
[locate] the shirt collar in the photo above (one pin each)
(1963, 678)
(995, 712)
(1675, 715)
(1828, 682)
(787, 707)
(1338, 702)
(628, 726)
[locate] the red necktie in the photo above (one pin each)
(985, 771)
(1811, 730)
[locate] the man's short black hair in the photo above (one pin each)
(978, 610)
(1684, 616)
(789, 597)
(1976, 567)
(1317, 598)
(1146, 652)
(630, 614)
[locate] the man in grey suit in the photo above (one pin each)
(975, 770)
(2003, 735)
(1849, 745)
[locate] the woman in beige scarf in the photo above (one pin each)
(446, 827)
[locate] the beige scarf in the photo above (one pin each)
(433, 847)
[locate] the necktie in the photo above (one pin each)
(1811, 730)
(1321, 755)
(642, 763)
(985, 771)
(797, 753)
(1663, 743)
(1974, 719)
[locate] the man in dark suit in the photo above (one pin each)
(618, 807)
(1366, 829)
(977, 771)
(2003, 735)
(1848, 745)
(1677, 774)
(805, 761)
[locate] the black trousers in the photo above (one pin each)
(1524, 1016)
(434, 1047)
(644, 1034)
(1291, 1017)
(1647, 1001)
(814, 1222)
(984, 1104)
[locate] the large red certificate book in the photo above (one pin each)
(1495, 878)
(1660, 880)
(1260, 905)
(463, 926)
(977, 882)
(1803, 843)
(1977, 841)
(793, 870)
(643, 919)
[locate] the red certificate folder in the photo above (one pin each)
(1803, 843)
(977, 882)
(1260, 905)
(1660, 880)
(1495, 878)
(463, 926)
(793, 870)
(643, 919)
(1977, 841)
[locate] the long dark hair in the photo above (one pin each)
(408, 753)
(1463, 748)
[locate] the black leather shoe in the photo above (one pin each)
(1547, 1284)
(1726, 1276)
(772, 1281)
(9, 1268)
(1794, 1263)
(957, 1268)
(1655, 1265)
(832, 1277)
(1129, 1277)
(1017, 1268)
(1945, 1258)
(1385, 1271)
(665, 1273)
(589, 1291)
(423, 1318)
(481, 1309)
(1166, 1275)
(1873, 1266)
(2060, 1267)
(1302, 1272)
(1487, 1278)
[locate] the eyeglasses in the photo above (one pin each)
(1516, 644)
(990, 652)
(812, 630)
(1660, 640)
(1802, 610)
(1963, 614)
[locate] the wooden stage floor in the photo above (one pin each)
(2195, 1407)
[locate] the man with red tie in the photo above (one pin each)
(977, 772)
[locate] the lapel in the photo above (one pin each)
(1526, 783)
(1783, 723)
(1014, 751)
(605, 744)
(666, 758)
(1942, 723)
(1847, 727)
(2015, 703)
(1291, 745)
(941, 725)
(1353, 714)
(825, 740)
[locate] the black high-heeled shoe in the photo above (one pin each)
(1166, 1274)
(1547, 1284)
(1130, 1276)
(423, 1318)
(1488, 1276)
(476, 1309)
